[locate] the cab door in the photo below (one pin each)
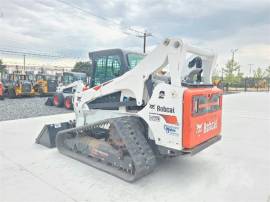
(106, 68)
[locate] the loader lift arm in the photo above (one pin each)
(171, 52)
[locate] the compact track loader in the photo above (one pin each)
(45, 84)
(164, 107)
(20, 85)
(63, 95)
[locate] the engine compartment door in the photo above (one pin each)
(202, 109)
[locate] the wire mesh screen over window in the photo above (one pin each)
(134, 59)
(107, 68)
(68, 79)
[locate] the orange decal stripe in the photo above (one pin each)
(170, 119)
(97, 88)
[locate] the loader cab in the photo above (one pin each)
(40, 77)
(112, 63)
(20, 77)
(70, 77)
(45, 77)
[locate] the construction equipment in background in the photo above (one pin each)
(5, 82)
(111, 58)
(65, 91)
(1, 91)
(164, 107)
(20, 84)
(45, 84)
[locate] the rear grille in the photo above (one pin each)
(203, 104)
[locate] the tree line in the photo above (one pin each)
(231, 75)
(2, 67)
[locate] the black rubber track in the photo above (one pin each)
(131, 130)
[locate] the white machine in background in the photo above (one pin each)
(65, 91)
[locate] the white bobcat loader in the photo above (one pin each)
(63, 97)
(124, 125)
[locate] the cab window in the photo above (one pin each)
(79, 78)
(134, 59)
(107, 68)
(39, 77)
(67, 79)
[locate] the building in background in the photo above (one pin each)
(37, 69)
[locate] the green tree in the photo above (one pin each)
(258, 73)
(215, 75)
(267, 72)
(2, 67)
(232, 72)
(84, 67)
(238, 77)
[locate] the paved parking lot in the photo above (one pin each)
(235, 169)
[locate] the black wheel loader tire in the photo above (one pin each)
(49, 101)
(11, 93)
(68, 103)
(58, 100)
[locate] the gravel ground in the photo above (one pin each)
(20, 108)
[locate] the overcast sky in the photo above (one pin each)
(54, 27)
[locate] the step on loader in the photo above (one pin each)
(163, 107)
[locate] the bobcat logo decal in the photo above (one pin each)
(199, 128)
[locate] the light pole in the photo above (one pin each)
(250, 67)
(144, 36)
(24, 62)
(233, 52)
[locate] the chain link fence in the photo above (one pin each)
(247, 85)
